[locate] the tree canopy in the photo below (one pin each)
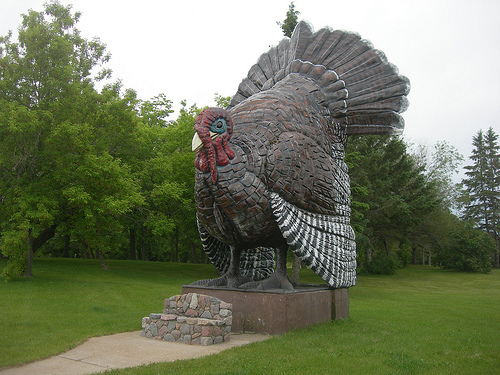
(91, 164)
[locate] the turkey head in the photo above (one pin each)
(213, 129)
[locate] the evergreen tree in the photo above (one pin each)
(482, 191)
(291, 20)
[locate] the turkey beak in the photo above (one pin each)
(197, 144)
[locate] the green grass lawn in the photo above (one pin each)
(421, 321)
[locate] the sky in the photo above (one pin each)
(190, 50)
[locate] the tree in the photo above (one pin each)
(62, 144)
(291, 20)
(440, 163)
(391, 199)
(482, 187)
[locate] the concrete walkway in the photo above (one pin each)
(122, 350)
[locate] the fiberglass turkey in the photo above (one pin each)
(270, 171)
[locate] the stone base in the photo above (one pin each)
(191, 319)
(279, 311)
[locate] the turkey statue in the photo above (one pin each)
(270, 170)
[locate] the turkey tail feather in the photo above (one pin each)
(365, 92)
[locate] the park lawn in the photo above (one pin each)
(70, 300)
(421, 321)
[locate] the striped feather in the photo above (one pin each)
(324, 243)
(257, 264)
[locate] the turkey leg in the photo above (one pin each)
(232, 277)
(279, 279)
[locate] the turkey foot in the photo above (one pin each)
(275, 281)
(226, 280)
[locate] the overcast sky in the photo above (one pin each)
(190, 50)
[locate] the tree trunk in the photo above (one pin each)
(430, 258)
(28, 271)
(193, 252)
(67, 239)
(175, 246)
(131, 245)
(102, 263)
(33, 244)
(142, 242)
(295, 276)
(368, 255)
(413, 255)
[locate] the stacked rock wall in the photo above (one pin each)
(191, 319)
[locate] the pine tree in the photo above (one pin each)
(291, 20)
(482, 186)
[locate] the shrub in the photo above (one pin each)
(468, 250)
(384, 265)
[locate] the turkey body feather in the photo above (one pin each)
(270, 171)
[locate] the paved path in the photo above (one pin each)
(122, 350)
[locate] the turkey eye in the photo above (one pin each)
(219, 126)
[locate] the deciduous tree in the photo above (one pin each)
(62, 144)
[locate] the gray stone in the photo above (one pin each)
(224, 313)
(185, 339)
(171, 326)
(185, 329)
(168, 337)
(206, 315)
(205, 341)
(214, 300)
(154, 330)
(155, 316)
(176, 334)
(215, 309)
(218, 340)
(194, 301)
(196, 341)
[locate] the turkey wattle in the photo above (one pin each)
(270, 171)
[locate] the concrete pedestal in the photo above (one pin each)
(279, 311)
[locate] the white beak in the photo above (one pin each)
(197, 144)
